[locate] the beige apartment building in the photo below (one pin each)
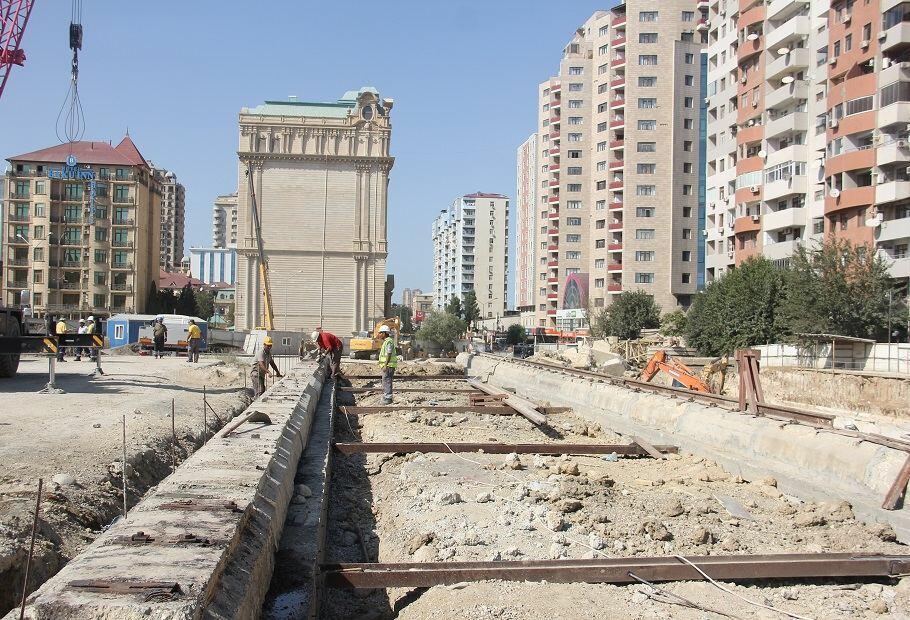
(173, 217)
(82, 226)
(471, 252)
(619, 162)
(808, 108)
(224, 221)
(526, 224)
(321, 173)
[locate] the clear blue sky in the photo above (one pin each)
(463, 75)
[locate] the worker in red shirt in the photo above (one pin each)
(329, 344)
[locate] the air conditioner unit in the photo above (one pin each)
(833, 123)
(755, 103)
(907, 170)
(720, 230)
(754, 189)
(742, 80)
(730, 254)
(751, 122)
(886, 62)
(845, 19)
(756, 218)
(832, 61)
(882, 35)
(704, 233)
(864, 43)
(834, 193)
(902, 144)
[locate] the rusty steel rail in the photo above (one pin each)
(409, 378)
(632, 449)
(378, 390)
(491, 409)
(619, 570)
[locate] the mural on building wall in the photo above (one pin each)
(576, 291)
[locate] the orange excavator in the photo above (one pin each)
(682, 374)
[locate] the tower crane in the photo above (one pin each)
(14, 15)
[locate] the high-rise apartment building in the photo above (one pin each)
(321, 173)
(224, 221)
(526, 224)
(619, 160)
(408, 295)
(82, 228)
(471, 252)
(808, 108)
(173, 217)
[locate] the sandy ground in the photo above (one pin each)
(475, 507)
(77, 438)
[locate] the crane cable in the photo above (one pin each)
(71, 118)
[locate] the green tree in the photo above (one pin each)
(186, 302)
(630, 312)
(441, 329)
(205, 303)
(404, 314)
(736, 310)
(454, 307)
(229, 316)
(673, 323)
(515, 334)
(470, 310)
(152, 303)
(837, 287)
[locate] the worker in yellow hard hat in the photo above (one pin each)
(388, 361)
(261, 365)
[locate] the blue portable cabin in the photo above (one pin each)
(123, 329)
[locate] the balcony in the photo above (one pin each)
(554, 134)
(787, 94)
(18, 217)
(748, 49)
(795, 121)
(784, 187)
(553, 215)
(780, 9)
(62, 285)
(614, 247)
(896, 71)
(122, 243)
(553, 296)
(618, 82)
(17, 262)
(896, 151)
(553, 232)
(891, 191)
(788, 32)
(785, 218)
(554, 199)
(616, 206)
(617, 144)
(18, 284)
(614, 226)
(555, 120)
(552, 280)
(618, 20)
(747, 223)
(124, 200)
(853, 197)
(889, 230)
(555, 104)
(619, 102)
(795, 60)
(618, 62)
(896, 113)
(617, 42)
(553, 263)
(124, 221)
(614, 267)
(617, 163)
(553, 247)
(555, 87)
(781, 249)
(614, 288)
(898, 267)
(17, 240)
(553, 167)
(615, 185)
(617, 123)
(551, 312)
(896, 36)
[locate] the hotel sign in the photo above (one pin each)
(72, 172)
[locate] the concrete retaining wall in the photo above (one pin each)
(811, 464)
(229, 576)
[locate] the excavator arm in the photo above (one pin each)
(661, 362)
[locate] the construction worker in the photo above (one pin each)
(159, 335)
(193, 340)
(264, 361)
(329, 344)
(81, 330)
(60, 329)
(388, 362)
(90, 328)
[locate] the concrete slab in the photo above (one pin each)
(812, 464)
(233, 493)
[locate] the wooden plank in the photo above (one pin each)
(897, 489)
(647, 447)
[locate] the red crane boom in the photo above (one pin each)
(14, 15)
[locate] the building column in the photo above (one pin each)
(366, 294)
(382, 189)
(365, 207)
(357, 198)
(358, 262)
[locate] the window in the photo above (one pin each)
(687, 145)
(645, 190)
(118, 332)
(647, 16)
(862, 104)
(647, 60)
(646, 168)
(38, 254)
(574, 137)
(687, 167)
(598, 283)
(644, 278)
(40, 187)
(600, 185)
(687, 211)
(688, 123)
(848, 43)
(72, 191)
(575, 120)
(689, 80)
(686, 278)
(573, 204)
(573, 238)
(688, 102)
(100, 234)
(647, 103)
(687, 256)
(600, 224)
(644, 211)
(898, 91)
(575, 87)
(647, 147)
(574, 103)
(601, 166)
(39, 209)
(647, 37)
(600, 205)
(600, 244)
(644, 233)
(686, 233)
(604, 49)
(647, 125)
(647, 81)
(600, 263)
(100, 256)
(573, 170)
(38, 277)
(601, 147)
(574, 154)
(644, 256)
(573, 221)
(688, 16)
(576, 70)
(573, 187)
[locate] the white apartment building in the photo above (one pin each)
(471, 252)
(224, 221)
(808, 111)
(620, 166)
(526, 224)
(173, 217)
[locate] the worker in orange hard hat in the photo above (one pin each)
(261, 366)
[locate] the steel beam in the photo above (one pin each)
(427, 408)
(617, 570)
(897, 487)
(409, 378)
(434, 390)
(500, 448)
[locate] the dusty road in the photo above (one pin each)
(77, 438)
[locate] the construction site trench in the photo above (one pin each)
(496, 488)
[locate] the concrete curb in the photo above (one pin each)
(813, 465)
(229, 576)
